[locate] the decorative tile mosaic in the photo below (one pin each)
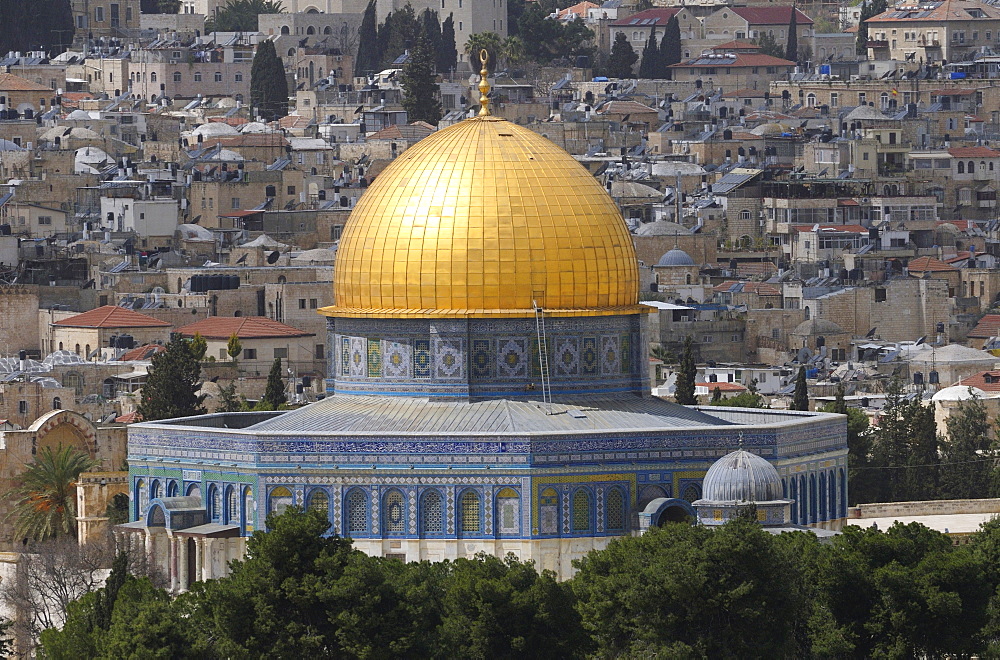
(588, 357)
(421, 358)
(512, 358)
(374, 358)
(481, 364)
(626, 354)
(449, 358)
(345, 356)
(396, 359)
(610, 361)
(359, 357)
(567, 358)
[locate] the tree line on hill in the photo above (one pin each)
(36, 25)
(678, 591)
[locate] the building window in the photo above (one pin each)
(250, 353)
(218, 76)
(319, 501)
(281, 353)
(197, 76)
(239, 77)
(291, 190)
(744, 214)
(432, 513)
(152, 76)
(281, 499)
(581, 510)
(313, 303)
(470, 510)
(357, 512)
(232, 506)
(302, 303)
(215, 503)
(320, 353)
(98, 14)
(615, 506)
(177, 76)
(22, 407)
(236, 202)
(394, 513)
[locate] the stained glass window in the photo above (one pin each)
(319, 501)
(357, 511)
(615, 506)
(433, 519)
(470, 512)
(215, 497)
(248, 509)
(394, 512)
(581, 511)
(281, 499)
(232, 506)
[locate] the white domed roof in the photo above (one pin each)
(959, 393)
(215, 129)
(676, 257)
(78, 114)
(255, 127)
(75, 132)
(228, 154)
(741, 476)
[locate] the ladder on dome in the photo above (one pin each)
(543, 356)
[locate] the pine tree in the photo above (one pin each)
(268, 85)
(430, 27)
(868, 9)
(622, 59)
(792, 52)
(448, 52)
(368, 57)
(229, 400)
(684, 388)
(419, 86)
(274, 391)
(650, 57)
(198, 346)
(171, 385)
(800, 400)
(234, 346)
(670, 47)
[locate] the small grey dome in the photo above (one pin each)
(741, 477)
(676, 257)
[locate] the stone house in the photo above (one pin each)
(85, 334)
(264, 340)
(950, 31)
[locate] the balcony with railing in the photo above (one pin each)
(878, 43)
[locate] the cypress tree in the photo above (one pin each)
(268, 85)
(670, 47)
(274, 391)
(368, 56)
(419, 86)
(170, 388)
(430, 27)
(684, 389)
(800, 400)
(792, 52)
(448, 52)
(622, 58)
(650, 57)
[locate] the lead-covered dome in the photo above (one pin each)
(741, 476)
(676, 257)
(479, 220)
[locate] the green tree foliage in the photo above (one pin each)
(39, 24)
(622, 59)
(234, 346)
(476, 43)
(367, 60)
(748, 399)
(448, 53)
(117, 510)
(241, 15)
(683, 591)
(649, 65)
(173, 380)
(869, 8)
(966, 471)
(430, 28)
(769, 45)
(861, 481)
(398, 34)
(800, 400)
(420, 90)
(44, 505)
(684, 388)
(274, 392)
(198, 347)
(546, 40)
(268, 84)
(159, 6)
(792, 51)
(716, 397)
(230, 400)
(670, 47)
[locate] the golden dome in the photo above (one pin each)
(478, 220)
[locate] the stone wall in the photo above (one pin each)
(926, 508)
(19, 311)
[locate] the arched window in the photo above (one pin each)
(508, 512)
(793, 494)
(56, 403)
(471, 513)
(971, 167)
(310, 30)
(214, 503)
(812, 498)
(197, 76)
(154, 489)
(581, 510)
(803, 500)
(194, 490)
(140, 499)
(152, 77)
(284, 29)
(239, 77)
(432, 513)
(248, 509)
(357, 512)
(319, 501)
(549, 509)
(811, 100)
(281, 499)
(232, 506)
(77, 349)
(393, 513)
(961, 167)
(831, 483)
(218, 76)
(171, 489)
(327, 30)
(615, 506)
(291, 52)
(692, 492)
(177, 76)
(821, 514)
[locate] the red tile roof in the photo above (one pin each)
(245, 327)
(745, 92)
(771, 15)
(949, 10)
(112, 316)
(973, 152)
(142, 352)
(737, 44)
(988, 326)
(760, 288)
(929, 265)
(11, 83)
(979, 380)
(649, 17)
(128, 418)
(580, 9)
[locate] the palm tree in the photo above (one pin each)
(477, 42)
(45, 502)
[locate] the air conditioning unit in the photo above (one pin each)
(174, 61)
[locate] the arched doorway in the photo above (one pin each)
(666, 510)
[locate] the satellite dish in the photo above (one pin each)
(273, 257)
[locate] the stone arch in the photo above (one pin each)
(64, 427)
(650, 493)
(432, 515)
(665, 510)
